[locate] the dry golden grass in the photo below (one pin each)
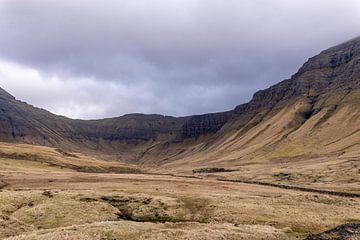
(142, 231)
(279, 137)
(220, 210)
(23, 157)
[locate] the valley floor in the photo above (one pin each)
(63, 205)
(44, 195)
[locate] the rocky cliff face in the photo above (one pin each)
(131, 129)
(329, 79)
(333, 57)
(197, 126)
(334, 70)
(20, 122)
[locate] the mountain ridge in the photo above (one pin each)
(324, 84)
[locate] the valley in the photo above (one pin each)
(286, 165)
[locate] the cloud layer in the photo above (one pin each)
(94, 59)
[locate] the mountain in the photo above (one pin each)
(314, 113)
(20, 122)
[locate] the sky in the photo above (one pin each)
(93, 59)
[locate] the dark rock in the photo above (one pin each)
(48, 194)
(283, 176)
(204, 124)
(343, 232)
(210, 170)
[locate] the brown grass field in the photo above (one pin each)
(51, 194)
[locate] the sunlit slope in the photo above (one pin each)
(315, 113)
(331, 131)
(22, 157)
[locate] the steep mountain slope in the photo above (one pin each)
(314, 113)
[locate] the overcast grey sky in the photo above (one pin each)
(95, 58)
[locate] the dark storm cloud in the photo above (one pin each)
(166, 56)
